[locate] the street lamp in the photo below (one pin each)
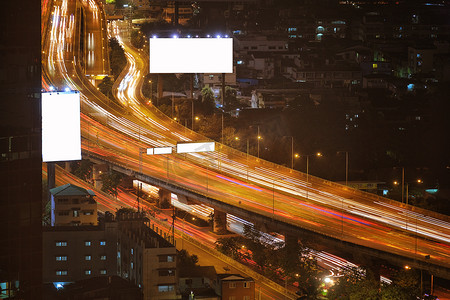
(346, 165)
(318, 154)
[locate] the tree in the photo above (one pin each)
(228, 246)
(137, 39)
(106, 87)
(405, 286)
(230, 100)
(186, 261)
(111, 181)
(208, 102)
(117, 58)
(82, 169)
(356, 284)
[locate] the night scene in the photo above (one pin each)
(224, 149)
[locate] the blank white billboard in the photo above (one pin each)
(195, 147)
(191, 55)
(159, 150)
(61, 134)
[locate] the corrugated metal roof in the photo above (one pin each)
(71, 190)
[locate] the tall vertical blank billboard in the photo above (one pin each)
(191, 55)
(61, 134)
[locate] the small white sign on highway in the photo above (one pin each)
(195, 147)
(159, 150)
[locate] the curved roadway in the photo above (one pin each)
(119, 130)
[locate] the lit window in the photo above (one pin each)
(132, 251)
(170, 258)
(374, 66)
(102, 272)
(102, 257)
(102, 243)
(76, 213)
(87, 272)
(61, 272)
(246, 284)
(87, 243)
(87, 257)
(166, 288)
(132, 265)
(61, 258)
(61, 244)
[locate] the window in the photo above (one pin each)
(232, 285)
(87, 243)
(132, 251)
(87, 257)
(61, 244)
(166, 258)
(76, 213)
(232, 298)
(61, 272)
(102, 272)
(102, 257)
(102, 243)
(166, 272)
(61, 258)
(253, 47)
(166, 288)
(246, 284)
(132, 265)
(88, 213)
(87, 272)
(188, 281)
(63, 213)
(374, 66)
(246, 298)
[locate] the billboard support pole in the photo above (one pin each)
(223, 88)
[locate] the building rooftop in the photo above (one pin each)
(71, 190)
(233, 277)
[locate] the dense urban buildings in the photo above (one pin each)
(20, 148)
(364, 82)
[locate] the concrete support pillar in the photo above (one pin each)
(375, 268)
(67, 166)
(50, 177)
(97, 171)
(164, 196)
(291, 242)
(220, 222)
(159, 90)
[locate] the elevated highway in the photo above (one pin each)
(231, 181)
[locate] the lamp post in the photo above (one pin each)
(221, 139)
(259, 137)
(346, 166)
(318, 154)
(192, 112)
(151, 90)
